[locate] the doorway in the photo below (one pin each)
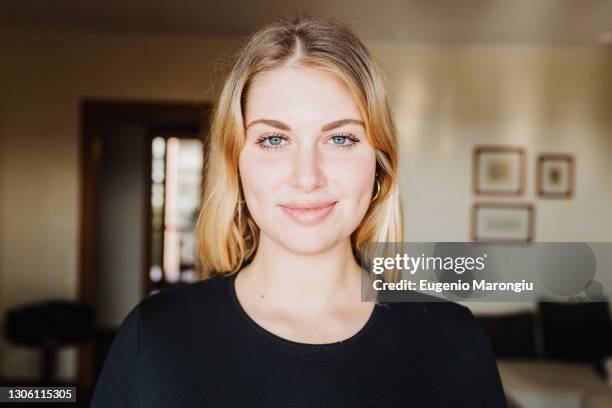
(141, 178)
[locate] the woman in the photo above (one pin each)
(302, 171)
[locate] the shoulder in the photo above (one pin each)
(199, 300)
(420, 305)
(439, 316)
(440, 325)
(453, 344)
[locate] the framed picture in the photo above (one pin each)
(501, 222)
(555, 175)
(499, 170)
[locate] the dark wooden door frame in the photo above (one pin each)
(93, 114)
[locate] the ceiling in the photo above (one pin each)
(549, 22)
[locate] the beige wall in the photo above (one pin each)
(449, 100)
(446, 100)
(43, 78)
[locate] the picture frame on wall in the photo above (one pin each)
(499, 170)
(555, 175)
(502, 222)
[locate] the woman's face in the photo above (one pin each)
(307, 168)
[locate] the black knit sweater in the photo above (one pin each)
(195, 346)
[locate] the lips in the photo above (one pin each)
(308, 213)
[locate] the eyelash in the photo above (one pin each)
(348, 136)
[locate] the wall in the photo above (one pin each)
(449, 100)
(446, 100)
(43, 78)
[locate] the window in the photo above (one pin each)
(176, 188)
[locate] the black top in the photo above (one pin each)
(195, 346)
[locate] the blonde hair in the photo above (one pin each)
(227, 236)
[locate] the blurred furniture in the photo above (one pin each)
(555, 356)
(576, 332)
(512, 335)
(546, 384)
(572, 332)
(48, 326)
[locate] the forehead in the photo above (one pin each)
(299, 93)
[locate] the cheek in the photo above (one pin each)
(356, 177)
(258, 180)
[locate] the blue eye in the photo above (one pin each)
(341, 141)
(273, 141)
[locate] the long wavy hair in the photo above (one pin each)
(227, 236)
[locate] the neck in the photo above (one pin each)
(291, 280)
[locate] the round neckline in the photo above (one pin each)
(364, 330)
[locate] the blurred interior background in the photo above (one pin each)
(104, 114)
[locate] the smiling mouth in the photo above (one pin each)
(308, 206)
(308, 213)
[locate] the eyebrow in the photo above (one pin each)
(283, 126)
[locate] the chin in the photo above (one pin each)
(304, 243)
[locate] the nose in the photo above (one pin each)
(307, 174)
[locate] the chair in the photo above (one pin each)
(576, 332)
(48, 326)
